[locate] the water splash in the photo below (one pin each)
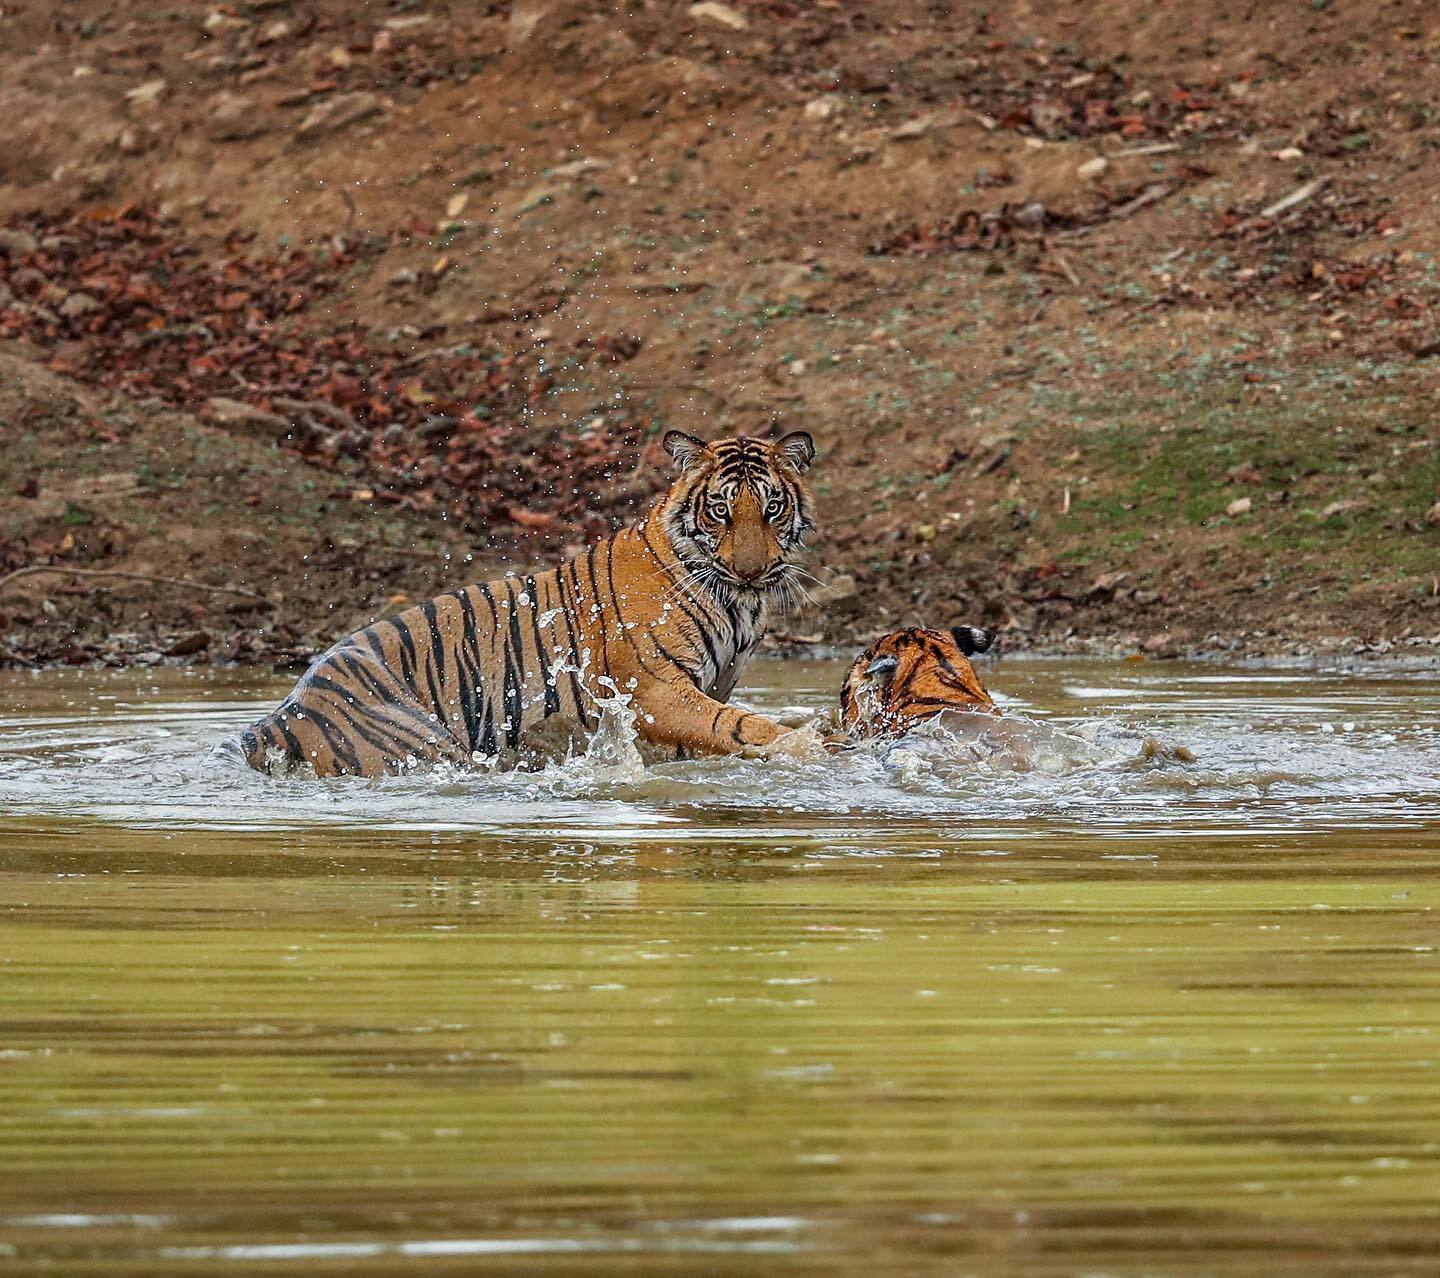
(1183, 752)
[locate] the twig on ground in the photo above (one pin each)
(1067, 269)
(351, 211)
(1298, 196)
(1153, 193)
(34, 569)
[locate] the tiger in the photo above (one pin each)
(909, 676)
(667, 611)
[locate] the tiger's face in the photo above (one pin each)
(738, 512)
(912, 675)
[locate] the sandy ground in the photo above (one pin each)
(1116, 327)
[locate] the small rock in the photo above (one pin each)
(1355, 506)
(1047, 117)
(215, 20)
(147, 93)
(404, 278)
(198, 641)
(824, 108)
(1031, 215)
(17, 243)
(721, 14)
(234, 118)
(1240, 506)
(339, 113)
(912, 129)
(1105, 584)
(78, 304)
(457, 205)
(1432, 516)
(1092, 169)
(1289, 153)
(577, 168)
(232, 414)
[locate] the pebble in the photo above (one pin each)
(17, 243)
(78, 304)
(339, 113)
(721, 14)
(234, 117)
(823, 108)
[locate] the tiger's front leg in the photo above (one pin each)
(683, 716)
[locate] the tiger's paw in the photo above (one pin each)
(806, 744)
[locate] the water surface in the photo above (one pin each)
(911, 1011)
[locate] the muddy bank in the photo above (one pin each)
(1109, 335)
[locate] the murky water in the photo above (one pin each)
(1079, 1008)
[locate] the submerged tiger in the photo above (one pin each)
(909, 676)
(667, 611)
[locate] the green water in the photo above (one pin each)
(905, 1018)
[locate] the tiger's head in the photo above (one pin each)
(738, 511)
(912, 675)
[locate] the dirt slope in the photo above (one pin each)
(1028, 273)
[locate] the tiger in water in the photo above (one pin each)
(909, 676)
(667, 611)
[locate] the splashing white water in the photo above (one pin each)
(1182, 753)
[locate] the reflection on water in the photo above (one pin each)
(1069, 1006)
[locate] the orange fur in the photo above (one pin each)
(911, 676)
(668, 611)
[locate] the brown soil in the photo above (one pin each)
(451, 269)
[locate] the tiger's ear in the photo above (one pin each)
(685, 449)
(796, 450)
(973, 639)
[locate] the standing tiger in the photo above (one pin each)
(668, 610)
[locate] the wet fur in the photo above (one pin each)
(910, 676)
(668, 610)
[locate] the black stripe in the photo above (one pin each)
(407, 650)
(467, 659)
(356, 713)
(354, 664)
(619, 614)
(575, 690)
(338, 742)
(547, 679)
(293, 747)
(437, 657)
(675, 661)
(484, 589)
(514, 671)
